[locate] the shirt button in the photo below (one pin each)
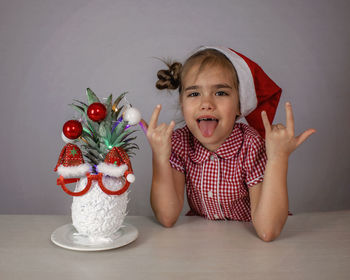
(210, 194)
(212, 157)
(216, 216)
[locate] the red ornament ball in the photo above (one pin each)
(72, 129)
(96, 112)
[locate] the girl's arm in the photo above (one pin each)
(269, 199)
(167, 191)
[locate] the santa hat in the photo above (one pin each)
(257, 92)
(117, 164)
(71, 163)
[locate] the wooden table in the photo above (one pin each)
(312, 246)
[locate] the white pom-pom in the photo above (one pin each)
(65, 139)
(130, 178)
(132, 116)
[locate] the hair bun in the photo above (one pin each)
(169, 79)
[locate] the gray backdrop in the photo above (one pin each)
(50, 51)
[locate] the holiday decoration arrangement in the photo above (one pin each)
(104, 135)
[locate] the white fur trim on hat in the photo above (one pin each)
(111, 169)
(247, 94)
(73, 171)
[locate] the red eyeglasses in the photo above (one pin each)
(61, 181)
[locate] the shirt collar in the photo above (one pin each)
(198, 153)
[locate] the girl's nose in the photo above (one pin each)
(207, 103)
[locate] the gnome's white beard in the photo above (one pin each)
(97, 215)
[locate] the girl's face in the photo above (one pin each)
(210, 104)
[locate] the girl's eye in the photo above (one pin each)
(193, 94)
(221, 93)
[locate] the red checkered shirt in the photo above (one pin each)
(217, 182)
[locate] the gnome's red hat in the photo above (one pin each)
(257, 92)
(117, 164)
(71, 163)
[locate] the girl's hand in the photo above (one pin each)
(159, 136)
(280, 140)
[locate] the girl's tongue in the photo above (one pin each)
(207, 126)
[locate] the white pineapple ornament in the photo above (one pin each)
(97, 215)
(100, 197)
(100, 213)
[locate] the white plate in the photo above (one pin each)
(66, 237)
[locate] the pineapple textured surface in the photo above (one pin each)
(97, 215)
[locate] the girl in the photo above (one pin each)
(229, 171)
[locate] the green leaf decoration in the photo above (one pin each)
(119, 144)
(91, 96)
(77, 108)
(120, 138)
(97, 138)
(131, 146)
(130, 139)
(86, 130)
(109, 115)
(102, 130)
(123, 137)
(91, 143)
(116, 102)
(92, 159)
(117, 131)
(82, 104)
(94, 127)
(96, 155)
(103, 148)
(129, 132)
(108, 135)
(115, 114)
(87, 135)
(109, 102)
(89, 140)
